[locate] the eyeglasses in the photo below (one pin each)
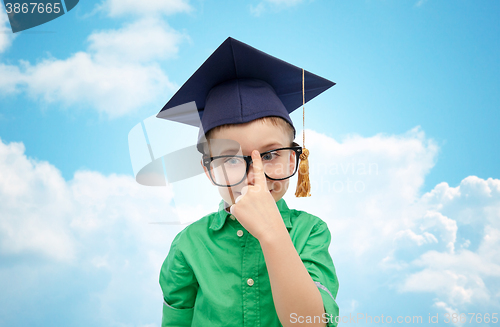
(231, 170)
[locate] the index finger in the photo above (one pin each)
(258, 169)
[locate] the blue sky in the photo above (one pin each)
(416, 94)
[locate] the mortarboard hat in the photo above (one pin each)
(238, 84)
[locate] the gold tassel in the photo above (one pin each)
(303, 184)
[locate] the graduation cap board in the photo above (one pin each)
(238, 84)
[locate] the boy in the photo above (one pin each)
(255, 262)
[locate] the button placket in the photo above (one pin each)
(250, 282)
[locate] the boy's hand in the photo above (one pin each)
(255, 208)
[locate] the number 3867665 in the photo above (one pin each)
(33, 8)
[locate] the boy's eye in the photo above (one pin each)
(233, 161)
(270, 156)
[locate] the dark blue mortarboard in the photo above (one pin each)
(238, 84)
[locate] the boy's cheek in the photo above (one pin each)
(279, 189)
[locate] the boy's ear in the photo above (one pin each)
(206, 171)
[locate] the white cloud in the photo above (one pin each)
(43, 213)
(117, 75)
(11, 79)
(367, 184)
(114, 89)
(74, 235)
(451, 312)
(444, 243)
(34, 204)
(141, 41)
(471, 226)
(408, 234)
(265, 5)
(6, 35)
(440, 225)
(146, 8)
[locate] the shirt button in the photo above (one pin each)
(239, 233)
(232, 217)
(250, 282)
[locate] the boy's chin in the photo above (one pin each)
(277, 196)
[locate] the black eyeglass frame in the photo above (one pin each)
(248, 160)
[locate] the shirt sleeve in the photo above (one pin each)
(319, 264)
(179, 287)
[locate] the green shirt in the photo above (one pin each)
(215, 273)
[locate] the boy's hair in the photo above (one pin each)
(276, 121)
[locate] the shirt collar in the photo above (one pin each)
(221, 216)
